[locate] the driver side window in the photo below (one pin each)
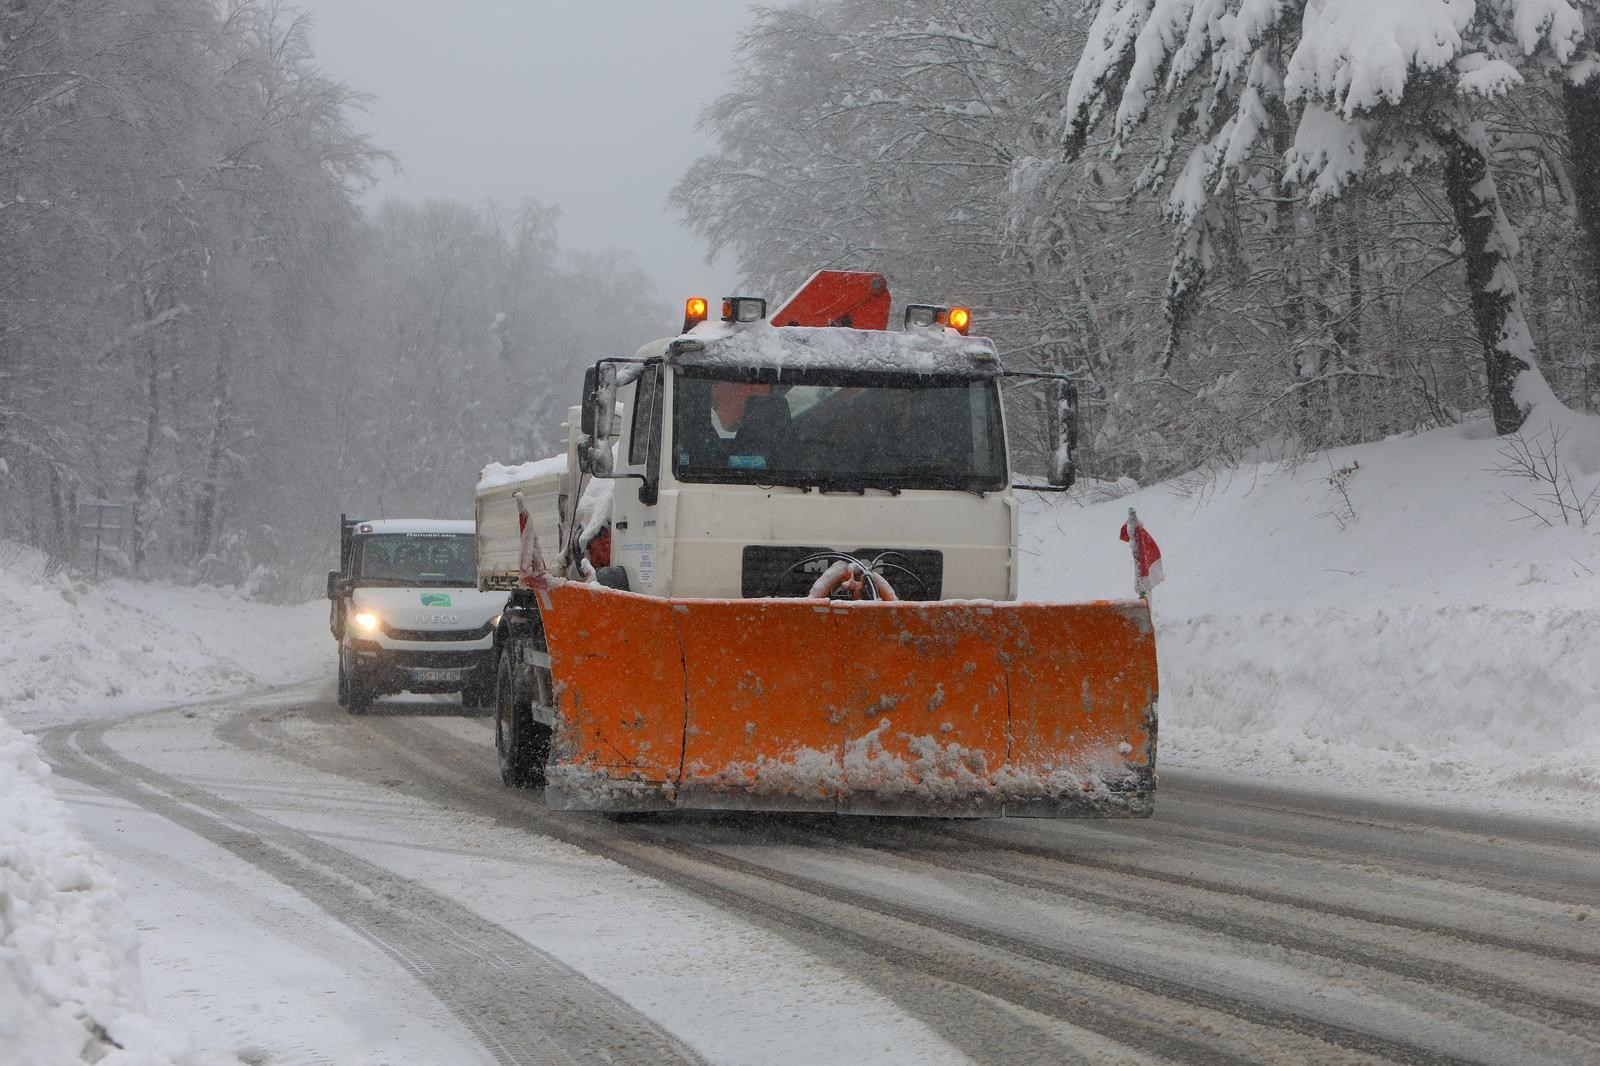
(644, 436)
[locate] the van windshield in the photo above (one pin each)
(838, 430)
(417, 559)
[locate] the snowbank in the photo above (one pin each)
(69, 970)
(1403, 617)
(85, 650)
(69, 976)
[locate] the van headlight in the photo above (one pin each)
(367, 622)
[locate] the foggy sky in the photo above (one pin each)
(591, 106)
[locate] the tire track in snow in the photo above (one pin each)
(522, 1005)
(1179, 1018)
(1002, 966)
(1564, 836)
(1058, 854)
(1187, 993)
(1560, 1014)
(1258, 928)
(1471, 850)
(972, 998)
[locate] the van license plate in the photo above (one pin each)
(434, 677)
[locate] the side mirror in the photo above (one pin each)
(586, 409)
(600, 401)
(333, 584)
(1063, 473)
(1064, 426)
(598, 418)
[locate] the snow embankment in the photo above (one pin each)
(1407, 617)
(69, 966)
(69, 973)
(84, 650)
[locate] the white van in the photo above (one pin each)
(407, 612)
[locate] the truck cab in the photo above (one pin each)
(407, 614)
(743, 458)
(747, 457)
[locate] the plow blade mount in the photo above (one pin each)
(964, 709)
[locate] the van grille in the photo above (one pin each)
(439, 634)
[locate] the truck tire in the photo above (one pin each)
(521, 744)
(612, 577)
(357, 694)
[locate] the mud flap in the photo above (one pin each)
(954, 708)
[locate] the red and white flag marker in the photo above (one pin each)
(1147, 572)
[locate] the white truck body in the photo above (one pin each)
(692, 539)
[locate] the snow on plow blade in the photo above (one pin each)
(967, 709)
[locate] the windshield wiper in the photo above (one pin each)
(948, 475)
(949, 480)
(858, 487)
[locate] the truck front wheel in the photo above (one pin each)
(521, 744)
(354, 692)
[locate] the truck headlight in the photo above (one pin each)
(367, 621)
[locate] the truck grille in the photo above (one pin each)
(434, 660)
(774, 571)
(439, 634)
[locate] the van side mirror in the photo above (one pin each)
(333, 584)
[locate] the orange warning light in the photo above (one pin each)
(695, 309)
(960, 319)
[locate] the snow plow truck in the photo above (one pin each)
(776, 569)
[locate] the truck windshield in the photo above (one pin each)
(834, 430)
(411, 559)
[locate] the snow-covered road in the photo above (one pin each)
(343, 889)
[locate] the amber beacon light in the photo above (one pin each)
(695, 309)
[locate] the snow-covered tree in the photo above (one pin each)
(198, 320)
(887, 135)
(1374, 89)
(1580, 84)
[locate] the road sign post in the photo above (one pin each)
(104, 520)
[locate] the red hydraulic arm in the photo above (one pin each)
(854, 298)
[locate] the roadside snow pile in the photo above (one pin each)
(69, 969)
(85, 650)
(1411, 615)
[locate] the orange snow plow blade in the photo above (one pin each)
(955, 708)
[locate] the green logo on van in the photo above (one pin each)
(435, 599)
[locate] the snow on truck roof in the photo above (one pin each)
(416, 525)
(497, 474)
(761, 344)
